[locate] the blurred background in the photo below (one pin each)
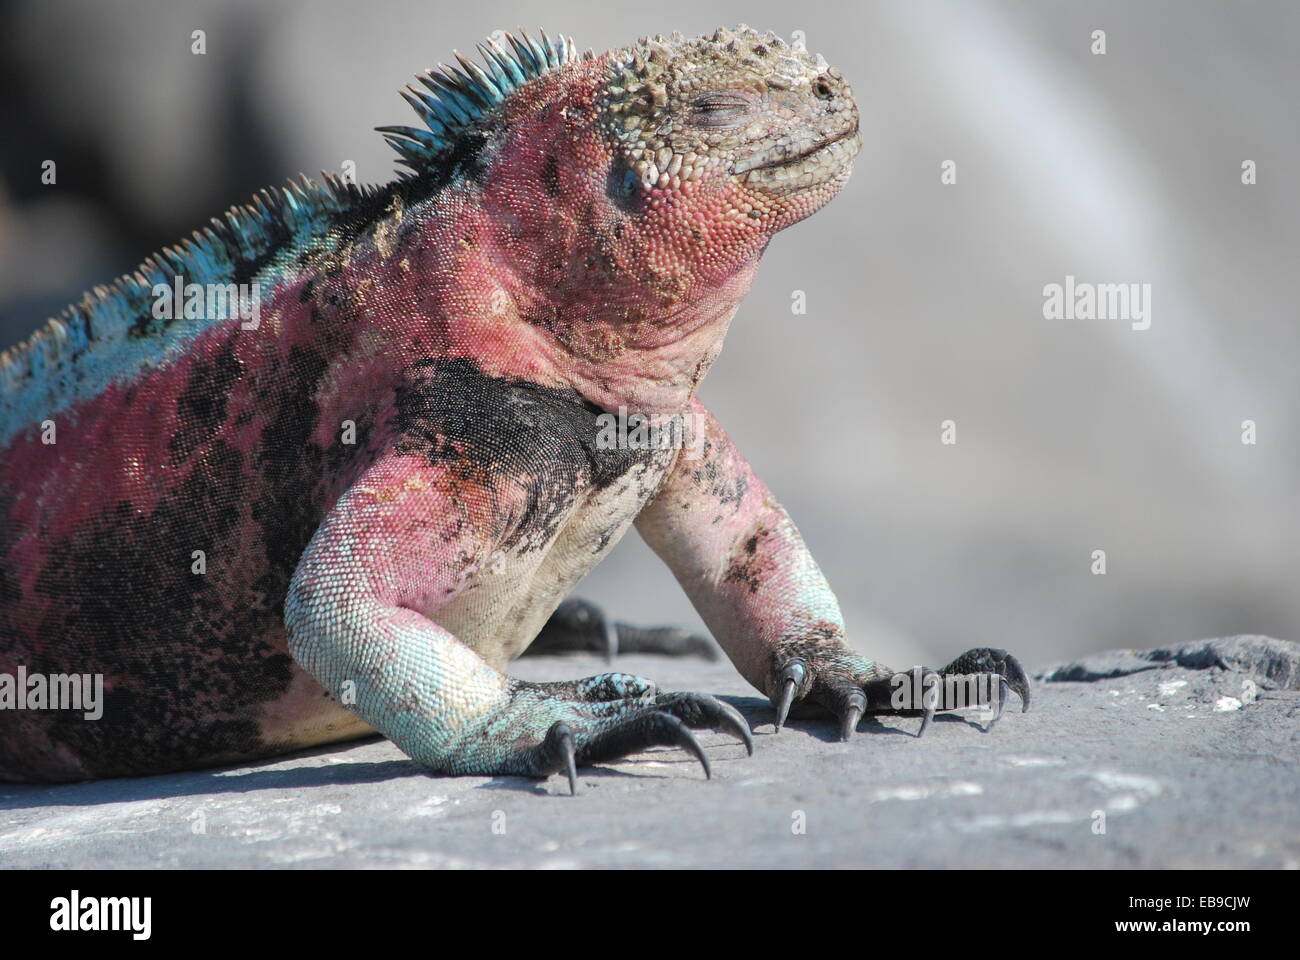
(924, 300)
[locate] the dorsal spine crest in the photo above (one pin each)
(459, 98)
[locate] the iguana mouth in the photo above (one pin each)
(805, 168)
(775, 157)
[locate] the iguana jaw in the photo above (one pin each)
(787, 168)
(791, 154)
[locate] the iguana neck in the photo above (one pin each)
(585, 292)
(619, 344)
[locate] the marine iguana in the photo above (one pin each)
(351, 514)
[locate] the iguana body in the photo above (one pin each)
(574, 238)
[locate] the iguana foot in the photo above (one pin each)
(613, 715)
(581, 626)
(832, 678)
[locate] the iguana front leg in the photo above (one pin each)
(739, 557)
(404, 541)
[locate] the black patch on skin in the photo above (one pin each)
(202, 404)
(551, 176)
(287, 526)
(720, 484)
(746, 567)
(469, 158)
(487, 428)
(742, 570)
(300, 480)
(188, 659)
(542, 315)
(182, 668)
(247, 270)
(10, 593)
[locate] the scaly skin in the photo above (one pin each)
(575, 237)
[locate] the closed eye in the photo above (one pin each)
(721, 109)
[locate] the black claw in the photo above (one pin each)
(733, 722)
(857, 703)
(681, 735)
(1018, 682)
(787, 698)
(570, 762)
(652, 728)
(1013, 678)
(792, 675)
(1003, 689)
(557, 752)
(701, 710)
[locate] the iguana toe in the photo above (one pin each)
(559, 748)
(856, 703)
(847, 686)
(615, 715)
(989, 660)
(653, 728)
(699, 710)
(791, 679)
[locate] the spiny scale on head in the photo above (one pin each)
(459, 97)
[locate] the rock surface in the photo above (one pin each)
(1192, 754)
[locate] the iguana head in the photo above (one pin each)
(738, 131)
(739, 116)
(621, 202)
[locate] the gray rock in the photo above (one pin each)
(1274, 664)
(1189, 761)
